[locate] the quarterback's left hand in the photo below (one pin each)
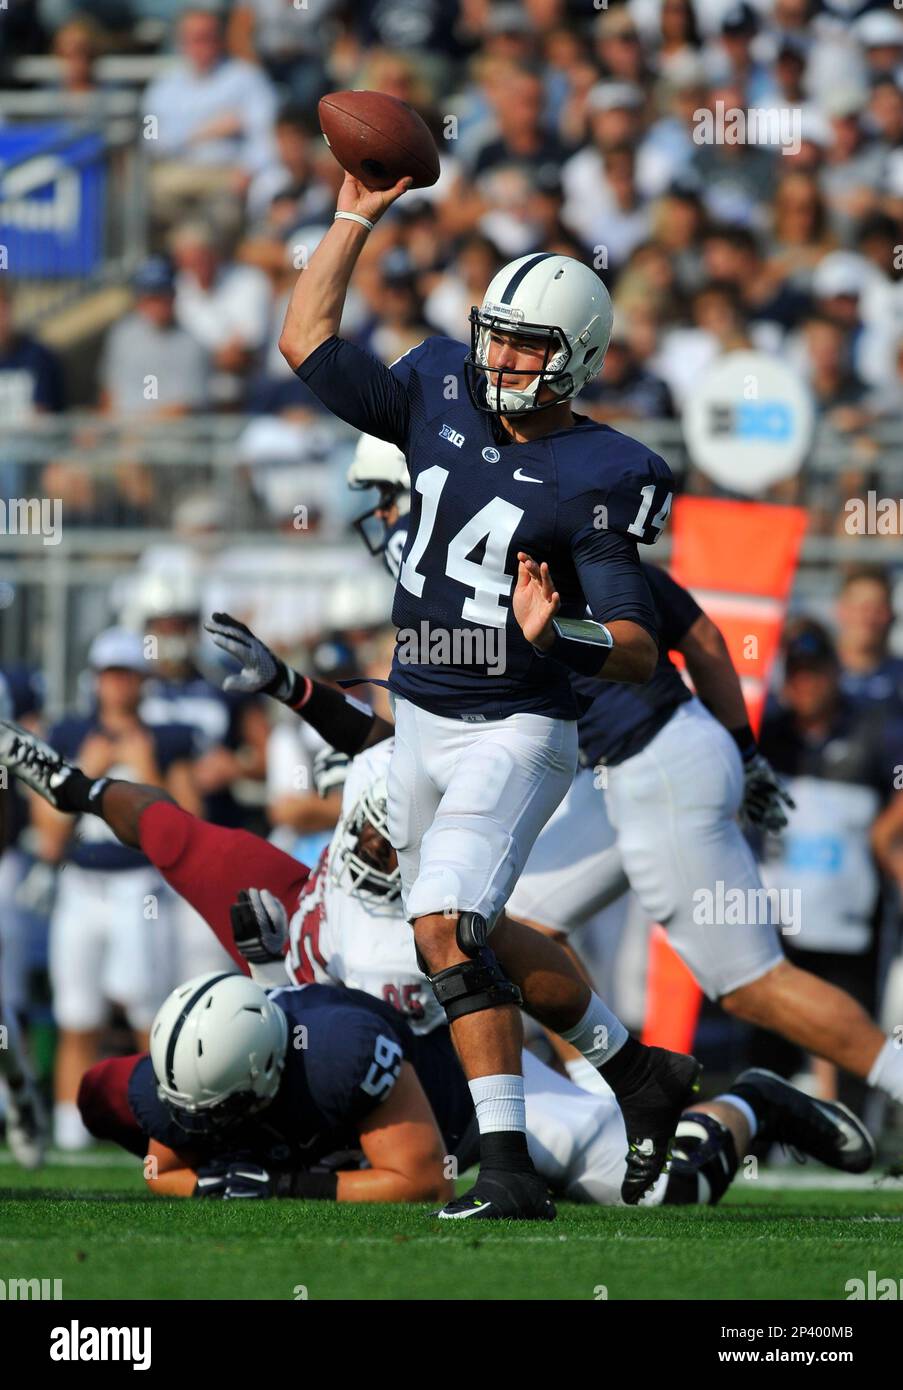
(764, 796)
(535, 601)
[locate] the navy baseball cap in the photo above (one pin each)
(809, 647)
(740, 19)
(154, 276)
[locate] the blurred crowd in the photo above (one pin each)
(562, 125)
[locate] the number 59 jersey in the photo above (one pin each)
(580, 498)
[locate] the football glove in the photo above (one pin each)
(261, 670)
(764, 796)
(259, 925)
(232, 1178)
(227, 1178)
(330, 770)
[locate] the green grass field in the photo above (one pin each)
(91, 1225)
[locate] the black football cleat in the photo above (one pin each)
(821, 1129)
(501, 1195)
(33, 761)
(651, 1114)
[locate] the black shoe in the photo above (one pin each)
(33, 761)
(651, 1113)
(821, 1129)
(502, 1195)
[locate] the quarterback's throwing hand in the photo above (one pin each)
(535, 602)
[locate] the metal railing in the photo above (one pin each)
(172, 459)
(126, 489)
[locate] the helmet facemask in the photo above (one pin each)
(357, 870)
(484, 382)
(215, 1117)
(376, 535)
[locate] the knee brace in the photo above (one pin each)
(474, 984)
(704, 1161)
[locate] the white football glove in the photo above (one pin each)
(764, 796)
(261, 670)
(330, 770)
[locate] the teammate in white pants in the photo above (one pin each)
(657, 810)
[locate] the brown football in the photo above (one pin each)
(378, 139)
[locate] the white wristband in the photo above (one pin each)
(354, 217)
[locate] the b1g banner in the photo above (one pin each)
(738, 559)
(52, 201)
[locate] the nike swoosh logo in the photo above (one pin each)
(463, 1215)
(851, 1138)
(647, 1148)
(522, 477)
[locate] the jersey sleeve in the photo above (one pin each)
(677, 608)
(631, 495)
(612, 578)
(366, 1051)
(359, 389)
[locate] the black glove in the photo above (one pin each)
(229, 1178)
(764, 796)
(259, 925)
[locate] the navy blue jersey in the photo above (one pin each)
(344, 1054)
(623, 718)
(580, 498)
(94, 846)
(882, 686)
(214, 715)
(862, 746)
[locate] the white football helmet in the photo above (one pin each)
(357, 875)
(556, 299)
(218, 1046)
(382, 465)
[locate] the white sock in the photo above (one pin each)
(499, 1103)
(745, 1109)
(598, 1035)
(68, 1130)
(887, 1070)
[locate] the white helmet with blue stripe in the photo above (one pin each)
(555, 299)
(218, 1045)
